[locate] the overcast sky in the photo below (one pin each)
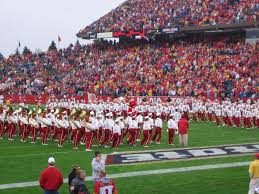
(36, 23)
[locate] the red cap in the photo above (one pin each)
(257, 155)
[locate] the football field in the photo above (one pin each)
(23, 162)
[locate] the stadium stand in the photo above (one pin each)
(160, 14)
(219, 68)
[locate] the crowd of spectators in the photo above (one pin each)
(181, 68)
(157, 14)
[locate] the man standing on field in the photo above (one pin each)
(51, 178)
(183, 126)
(254, 174)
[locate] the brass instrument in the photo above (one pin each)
(33, 123)
(40, 111)
(9, 109)
(74, 111)
(57, 111)
(84, 113)
(20, 109)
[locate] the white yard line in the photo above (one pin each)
(139, 173)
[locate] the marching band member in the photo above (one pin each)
(89, 127)
(218, 116)
(45, 124)
(12, 120)
(34, 126)
(95, 128)
(237, 118)
(61, 127)
(229, 118)
(127, 122)
(107, 130)
(140, 125)
(133, 126)
(257, 118)
(116, 134)
(2, 122)
(158, 129)
(100, 128)
(66, 125)
(122, 126)
(152, 124)
(74, 126)
(146, 129)
(172, 127)
(24, 124)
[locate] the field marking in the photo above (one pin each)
(179, 148)
(139, 173)
(117, 152)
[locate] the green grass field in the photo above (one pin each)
(21, 162)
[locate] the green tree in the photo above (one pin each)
(26, 51)
(52, 46)
(78, 43)
(1, 56)
(17, 52)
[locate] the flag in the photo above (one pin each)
(59, 39)
(19, 44)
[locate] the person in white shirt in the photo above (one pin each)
(218, 116)
(152, 124)
(98, 165)
(237, 118)
(100, 121)
(34, 126)
(107, 130)
(116, 134)
(61, 128)
(45, 127)
(95, 128)
(133, 126)
(140, 125)
(122, 125)
(75, 126)
(146, 129)
(176, 116)
(172, 127)
(158, 129)
(89, 127)
(257, 118)
(24, 123)
(127, 122)
(2, 122)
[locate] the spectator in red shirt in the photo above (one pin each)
(104, 185)
(183, 126)
(51, 178)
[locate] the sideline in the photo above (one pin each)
(139, 173)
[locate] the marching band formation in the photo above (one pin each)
(109, 123)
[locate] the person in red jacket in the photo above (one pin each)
(183, 126)
(104, 185)
(51, 178)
